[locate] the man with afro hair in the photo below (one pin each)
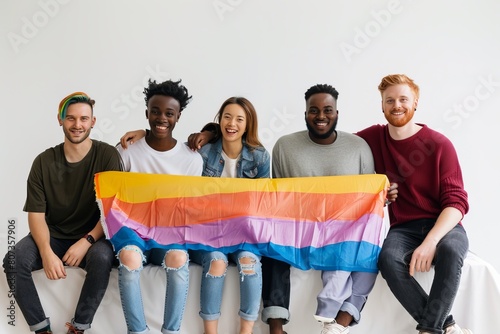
(159, 153)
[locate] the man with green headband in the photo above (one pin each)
(64, 219)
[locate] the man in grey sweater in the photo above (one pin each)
(320, 150)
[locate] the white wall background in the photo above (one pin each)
(267, 51)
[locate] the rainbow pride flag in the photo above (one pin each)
(327, 223)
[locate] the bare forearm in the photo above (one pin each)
(446, 221)
(97, 232)
(39, 231)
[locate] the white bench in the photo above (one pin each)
(476, 305)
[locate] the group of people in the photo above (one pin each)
(426, 193)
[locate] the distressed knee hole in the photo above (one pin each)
(130, 257)
(175, 259)
(217, 268)
(247, 265)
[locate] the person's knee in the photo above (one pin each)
(217, 268)
(449, 252)
(9, 261)
(102, 254)
(247, 265)
(175, 259)
(9, 254)
(386, 261)
(23, 258)
(130, 257)
(16, 261)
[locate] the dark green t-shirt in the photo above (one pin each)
(65, 191)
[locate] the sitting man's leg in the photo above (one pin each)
(275, 294)
(337, 287)
(18, 266)
(342, 298)
(451, 251)
(394, 262)
(97, 263)
(129, 272)
(176, 265)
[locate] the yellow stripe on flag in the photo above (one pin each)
(141, 187)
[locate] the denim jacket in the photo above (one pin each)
(252, 164)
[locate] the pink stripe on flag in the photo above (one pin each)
(255, 230)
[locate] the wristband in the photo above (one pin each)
(89, 238)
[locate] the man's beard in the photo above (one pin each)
(314, 134)
(400, 121)
(67, 133)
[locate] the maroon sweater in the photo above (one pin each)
(427, 171)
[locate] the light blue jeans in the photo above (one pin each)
(212, 286)
(175, 294)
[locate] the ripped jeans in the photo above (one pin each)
(212, 285)
(175, 295)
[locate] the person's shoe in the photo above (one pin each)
(73, 330)
(334, 328)
(455, 329)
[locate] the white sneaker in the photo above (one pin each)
(334, 328)
(455, 329)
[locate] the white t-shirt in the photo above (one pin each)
(229, 166)
(180, 160)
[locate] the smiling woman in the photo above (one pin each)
(237, 153)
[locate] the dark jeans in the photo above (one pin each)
(25, 258)
(275, 289)
(430, 311)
